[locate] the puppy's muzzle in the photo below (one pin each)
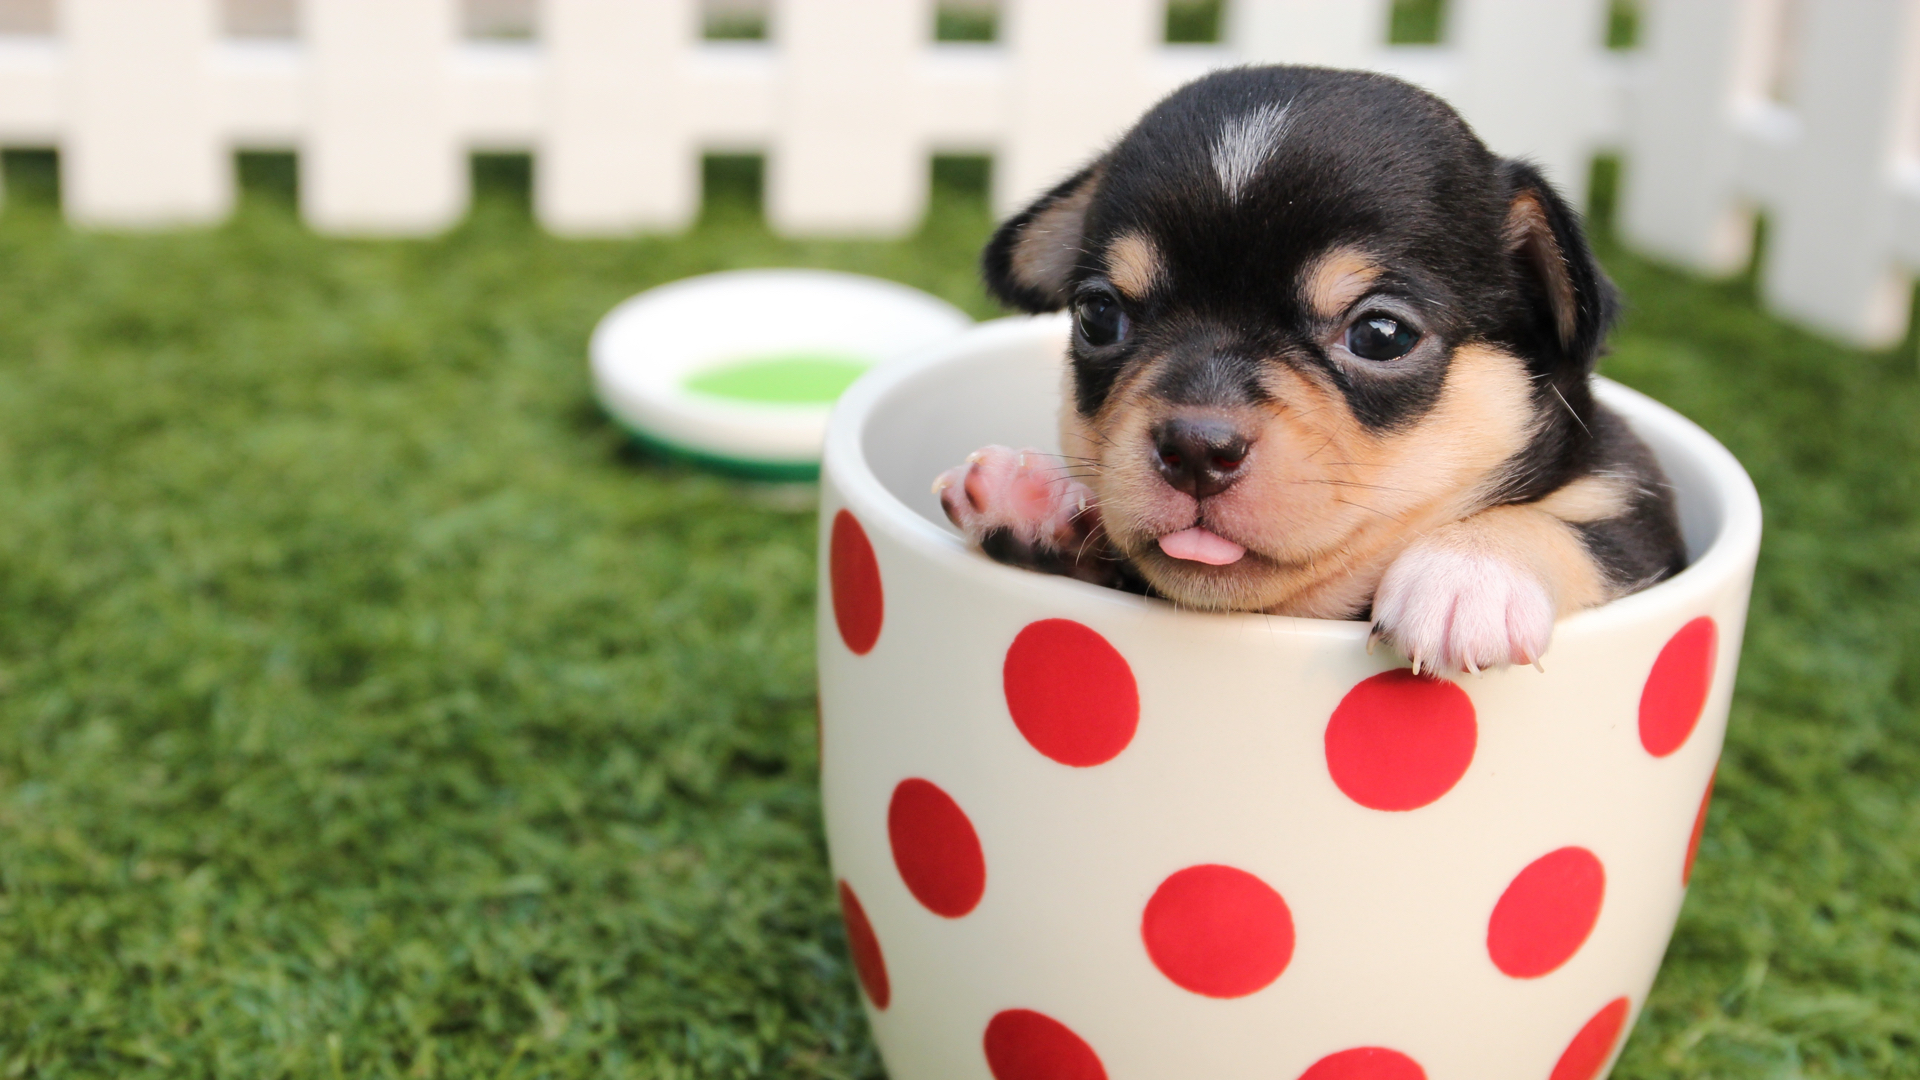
(1201, 456)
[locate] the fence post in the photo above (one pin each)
(1704, 64)
(1530, 81)
(141, 147)
(614, 156)
(1346, 33)
(1829, 259)
(1080, 77)
(848, 156)
(380, 155)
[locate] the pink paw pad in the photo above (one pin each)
(1029, 493)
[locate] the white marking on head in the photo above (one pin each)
(1246, 142)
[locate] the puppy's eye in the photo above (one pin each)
(1381, 337)
(1100, 320)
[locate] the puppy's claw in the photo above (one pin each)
(1538, 666)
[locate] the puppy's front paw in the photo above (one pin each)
(1451, 608)
(1020, 506)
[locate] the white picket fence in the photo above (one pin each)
(1806, 110)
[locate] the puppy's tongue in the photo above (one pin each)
(1201, 546)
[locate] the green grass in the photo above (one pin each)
(1416, 22)
(722, 24)
(1193, 22)
(369, 707)
(966, 23)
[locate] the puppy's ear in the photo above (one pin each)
(1573, 301)
(1030, 260)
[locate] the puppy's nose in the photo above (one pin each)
(1200, 456)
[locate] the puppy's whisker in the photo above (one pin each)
(1357, 484)
(1569, 408)
(1369, 509)
(1099, 554)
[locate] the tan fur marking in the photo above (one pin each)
(1337, 279)
(1586, 500)
(1529, 235)
(1525, 536)
(1049, 247)
(1484, 415)
(1134, 265)
(1077, 441)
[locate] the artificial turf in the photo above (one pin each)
(370, 707)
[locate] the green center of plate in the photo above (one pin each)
(786, 379)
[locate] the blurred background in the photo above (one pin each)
(371, 706)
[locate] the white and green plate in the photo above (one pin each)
(738, 370)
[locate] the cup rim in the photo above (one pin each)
(1732, 496)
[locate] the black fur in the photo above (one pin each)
(1642, 545)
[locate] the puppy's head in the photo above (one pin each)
(1311, 313)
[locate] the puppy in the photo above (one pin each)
(1330, 358)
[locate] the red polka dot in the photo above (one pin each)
(1218, 931)
(1398, 741)
(1025, 1045)
(1546, 913)
(1676, 690)
(868, 964)
(1587, 1054)
(1699, 829)
(936, 849)
(1071, 694)
(1366, 1063)
(858, 606)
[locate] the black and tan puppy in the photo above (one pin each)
(1331, 358)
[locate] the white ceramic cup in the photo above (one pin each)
(1082, 834)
